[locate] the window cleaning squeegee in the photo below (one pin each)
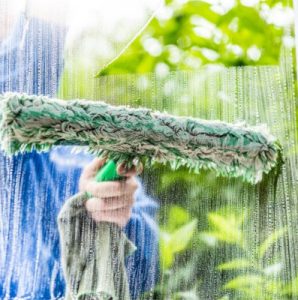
(126, 135)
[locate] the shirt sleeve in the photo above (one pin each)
(142, 230)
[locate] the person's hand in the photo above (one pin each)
(112, 200)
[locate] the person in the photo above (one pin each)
(34, 186)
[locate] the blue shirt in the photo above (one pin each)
(34, 186)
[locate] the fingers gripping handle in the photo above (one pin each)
(108, 172)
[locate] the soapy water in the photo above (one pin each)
(218, 238)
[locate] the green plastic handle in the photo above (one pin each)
(108, 172)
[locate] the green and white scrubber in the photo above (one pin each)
(127, 134)
(124, 135)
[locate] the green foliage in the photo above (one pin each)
(175, 236)
(177, 217)
(271, 239)
(291, 288)
(225, 228)
(188, 34)
(252, 276)
(245, 283)
(235, 264)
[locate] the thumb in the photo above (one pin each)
(133, 171)
(91, 169)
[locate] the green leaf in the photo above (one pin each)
(182, 236)
(235, 264)
(244, 282)
(166, 253)
(177, 217)
(271, 239)
(226, 228)
(174, 242)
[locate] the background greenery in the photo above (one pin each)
(186, 35)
